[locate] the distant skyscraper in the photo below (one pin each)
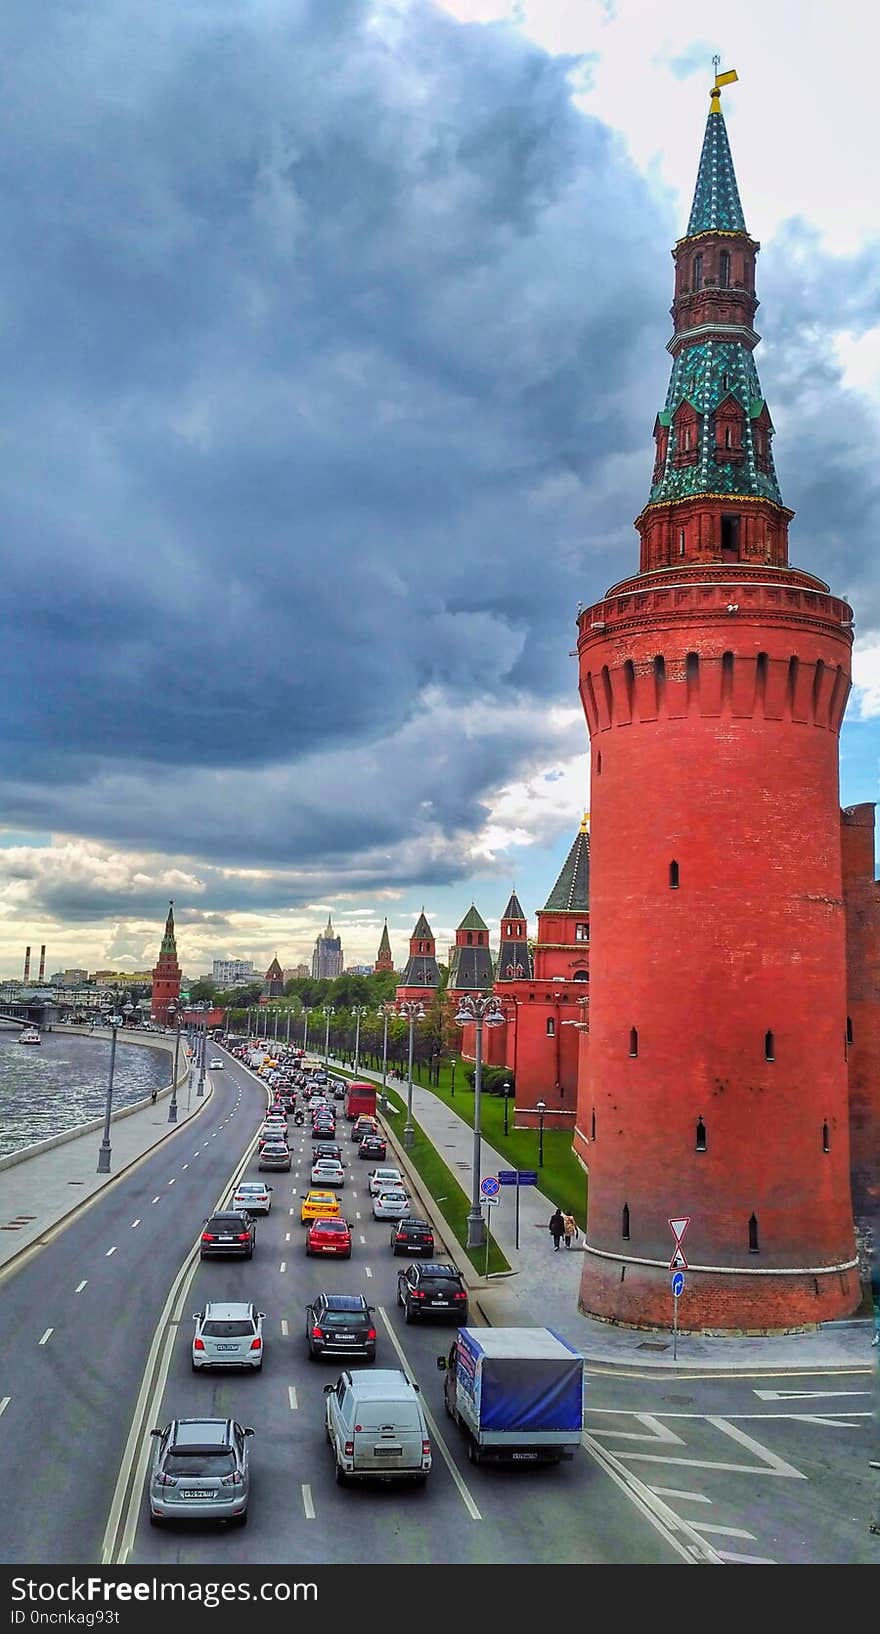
(327, 957)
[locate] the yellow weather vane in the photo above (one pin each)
(720, 80)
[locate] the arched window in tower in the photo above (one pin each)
(730, 538)
(769, 1047)
(581, 976)
(673, 875)
(849, 1030)
(633, 1041)
(551, 1027)
(697, 272)
(624, 1223)
(681, 541)
(479, 938)
(470, 937)
(753, 1235)
(593, 1125)
(724, 270)
(826, 1138)
(701, 1135)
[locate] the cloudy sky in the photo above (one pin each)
(334, 334)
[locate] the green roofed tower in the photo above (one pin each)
(471, 969)
(714, 493)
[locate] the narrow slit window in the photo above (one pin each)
(599, 764)
(698, 272)
(826, 1138)
(551, 1027)
(724, 277)
(624, 1223)
(769, 1047)
(849, 1030)
(753, 1236)
(673, 875)
(701, 1135)
(633, 1041)
(593, 1125)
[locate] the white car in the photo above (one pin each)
(328, 1171)
(253, 1196)
(215, 1063)
(384, 1180)
(228, 1335)
(391, 1205)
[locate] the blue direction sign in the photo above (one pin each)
(677, 1283)
(507, 1177)
(489, 1186)
(528, 1177)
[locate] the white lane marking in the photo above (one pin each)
(186, 1165)
(308, 1506)
(357, 1214)
(284, 1327)
(679, 1534)
(367, 1271)
(135, 1223)
(291, 1211)
(675, 1492)
(110, 1251)
(80, 1286)
(363, 1239)
(171, 1182)
(768, 1462)
(745, 1560)
(4, 1403)
(287, 1236)
(803, 1395)
(283, 1265)
(433, 1426)
(291, 1398)
(723, 1531)
(47, 1335)
(214, 1136)
(155, 1199)
(835, 1423)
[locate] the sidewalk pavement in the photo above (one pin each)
(57, 1180)
(542, 1289)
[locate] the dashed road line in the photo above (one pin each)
(308, 1506)
(723, 1531)
(362, 1238)
(47, 1335)
(287, 1236)
(80, 1286)
(110, 1251)
(367, 1271)
(4, 1403)
(283, 1265)
(284, 1328)
(155, 1199)
(171, 1182)
(135, 1223)
(291, 1398)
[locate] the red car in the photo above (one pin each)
(329, 1237)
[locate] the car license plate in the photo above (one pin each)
(345, 1338)
(224, 1239)
(197, 1492)
(328, 1248)
(226, 1347)
(439, 1301)
(388, 1452)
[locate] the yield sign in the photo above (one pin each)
(678, 1228)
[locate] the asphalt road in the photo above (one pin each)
(96, 1350)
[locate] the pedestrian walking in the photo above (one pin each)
(570, 1229)
(153, 1093)
(556, 1228)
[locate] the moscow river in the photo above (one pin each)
(52, 1087)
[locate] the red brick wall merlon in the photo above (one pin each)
(861, 893)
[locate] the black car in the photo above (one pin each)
(372, 1146)
(229, 1231)
(340, 1325)
(327, 1148)
(363, 1126)
(432, 1289)
(412, 1237)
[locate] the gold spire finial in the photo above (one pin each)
(720, 80)
(585, 824)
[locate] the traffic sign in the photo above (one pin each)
(679, 1227)
(678, 1261)
(489, 1202)
(489, 1186)
(528, 1177)
(507, 1177)
(677, 1283)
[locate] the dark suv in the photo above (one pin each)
(229, 1231)
(432, 1289)
(340, 1325)
(412, 1237)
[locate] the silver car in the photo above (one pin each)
(228, 1335)
(200, 1471)
(253, 1195)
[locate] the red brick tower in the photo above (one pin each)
(166, 974)
(714, 684)
(384, 960)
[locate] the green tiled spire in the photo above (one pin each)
(168, 949)
(473, 920)
(716, 205)
(705, 373)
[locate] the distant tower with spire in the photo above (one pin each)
(514, 958)
(471, 968)
(384, 960)
(327, 957)
(273, 983)
(714, 683)
(166, 973)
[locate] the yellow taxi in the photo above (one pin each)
(318, 1205)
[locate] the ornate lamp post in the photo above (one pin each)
(478, 1010)
(358, 1010)
(203, 1053)
(383, 1104)
(104, 1150)
(174, 1013)
(540, 1108)
(328, 1010)
(288, 1027)
(506, 1099)
(412, 1011)
(307, 1010)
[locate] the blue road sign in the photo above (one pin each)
(677, 1283)
(528, 1177)
(507, 1177)
(489, 1186)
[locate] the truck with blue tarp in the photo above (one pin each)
(517, 1393)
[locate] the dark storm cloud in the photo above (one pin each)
(333, 340)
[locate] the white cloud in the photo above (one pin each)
(866, 680)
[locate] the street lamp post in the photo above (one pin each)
(328, 1010)
(383, 1104)
(288, 1027)
(104, 1149)
(540, 1108)
(480, 1011)
(506, 1099)
(359, 1010)
(174, 1013)
(412, 1010)
(307, 1010)
(203, 1053)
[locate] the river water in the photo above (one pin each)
(49, 1088)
